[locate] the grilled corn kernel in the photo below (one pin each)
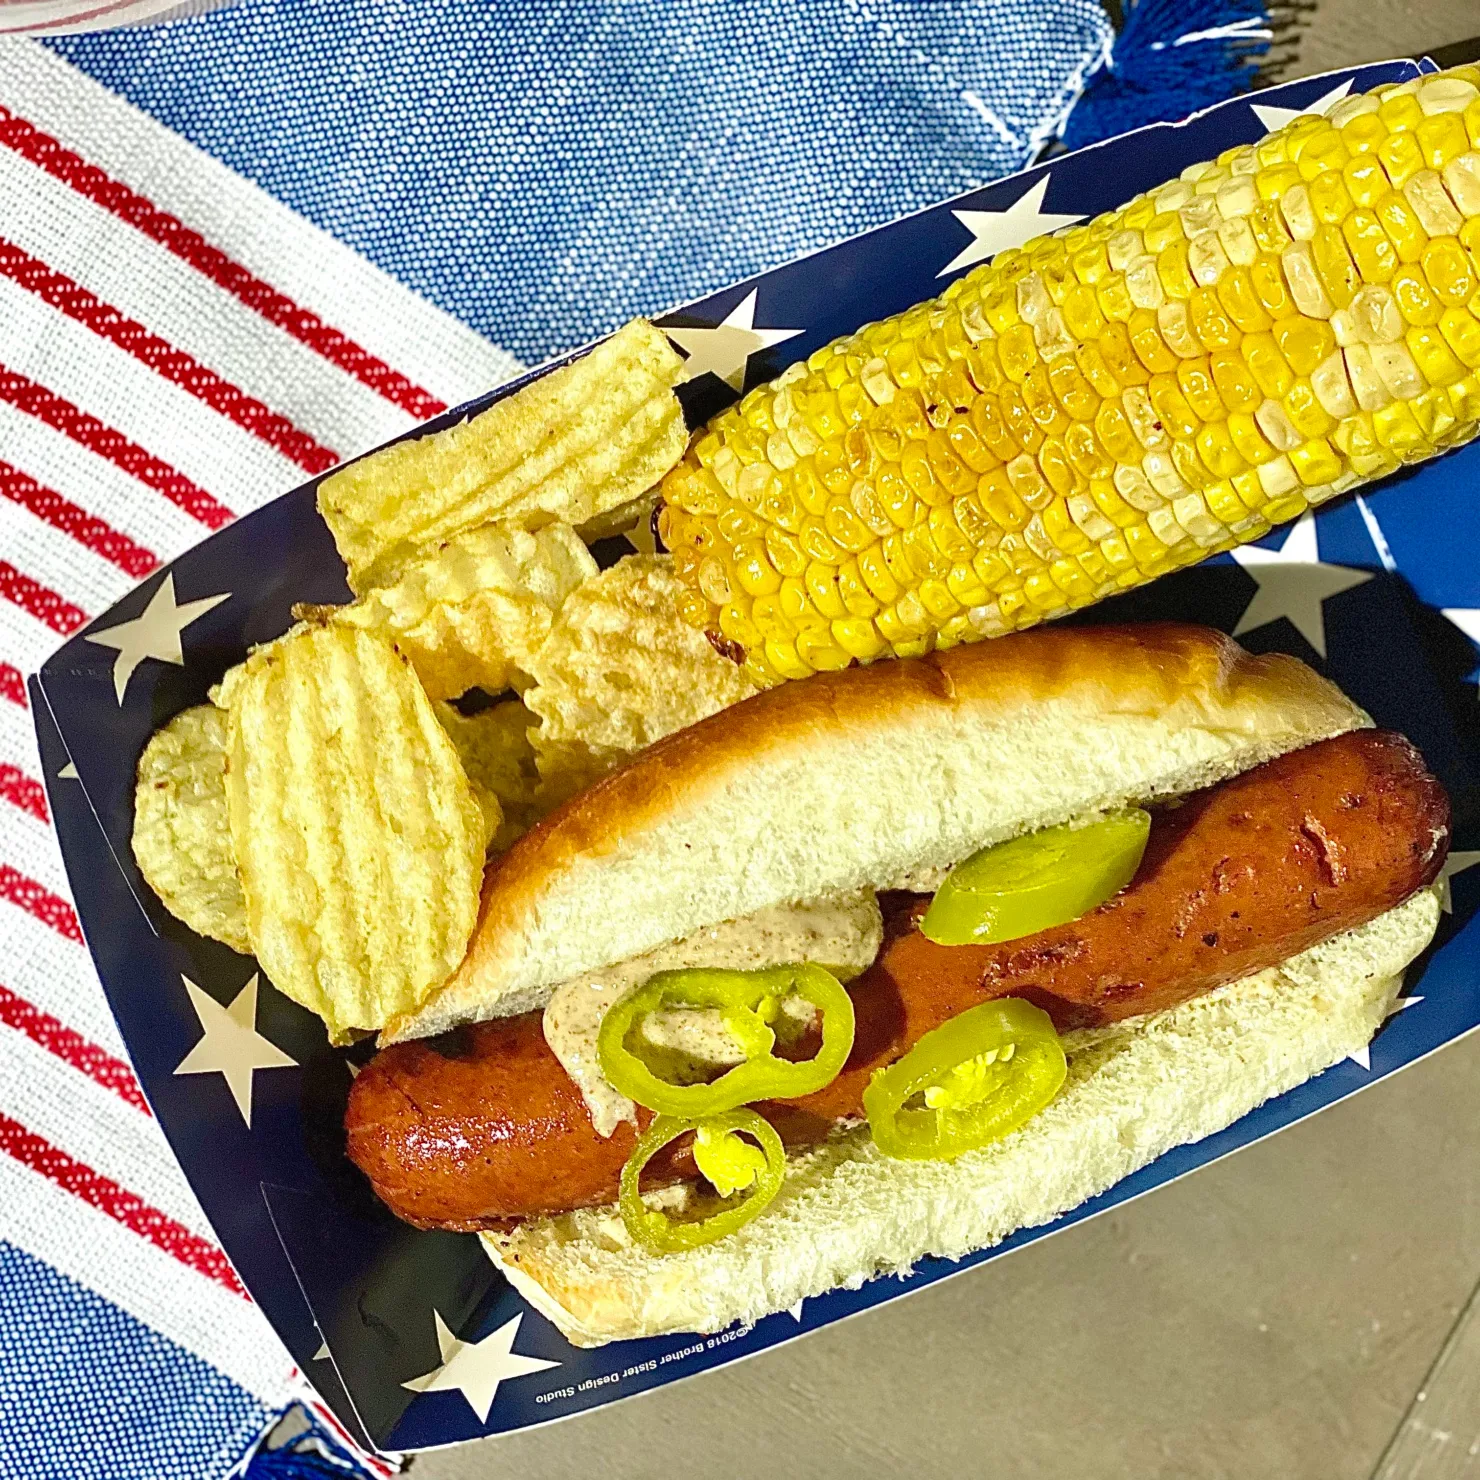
(1436, 362)
(1307, 290)
(1463, 335)
(1089, 411)
(1247, 439)
(1332, 389)
(1449, 94)
(1401, 155)
(1441, 137)
(1400, 221)
(1365, 179)
(1398, 430)
(1447, 269)
(1464, 396)
(1435, 414)
(1329, 198)
(1274, 422)
(1462, 180)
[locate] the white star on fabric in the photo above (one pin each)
(1272, 117)
(322, 1355)
(996, 231)
(476, 1368)
(68, 773)
(1294, 583)
(230, 1044)
(1454, 865)
(153, 634)
(1363, 1056)
(795, 1311)
(725, 349)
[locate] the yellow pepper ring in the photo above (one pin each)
(980, 1076)
(742, 997)
(726, 1162)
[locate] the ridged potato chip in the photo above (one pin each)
(633, 519)
(182, 838)
(499, 760)
(582, 440)
(620, 670)
(357, 834)
(473, 613)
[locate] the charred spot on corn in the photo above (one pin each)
(1096, 408)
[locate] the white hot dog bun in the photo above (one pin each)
(862, 778)
(846, 1213)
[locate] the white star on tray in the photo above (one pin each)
(476, 1368)
(1467, 619)
(1363, 1056)
(155, 633)
(641, 536)
(725, 349)
(1294, 583)
(996, 231)
(1272, 117)
(1454, 865)
(230, 1044)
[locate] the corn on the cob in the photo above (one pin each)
(1098, 407)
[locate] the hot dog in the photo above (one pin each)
(1235, 879)
(1283, 883)
(469, 1132)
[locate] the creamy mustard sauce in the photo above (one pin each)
(919, 880)
(842, 932)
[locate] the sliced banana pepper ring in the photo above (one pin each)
(974, 1079)
(748, 1001)
(730, 1163)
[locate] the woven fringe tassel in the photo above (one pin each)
(296, 1447)
(289, 1463)
(1173, 57)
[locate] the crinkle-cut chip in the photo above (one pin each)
(182, 839)
(499, 760)
(634, 519)
(357, 835)
(471, 614)
(220, 692)
(579, 441)
(620, 670)
(223, 693)
(568, 767)
(488, 802)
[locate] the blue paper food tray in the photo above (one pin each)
(332, 1270)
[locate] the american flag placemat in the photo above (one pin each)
(176, 347)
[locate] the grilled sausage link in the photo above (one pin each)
(484, 1125)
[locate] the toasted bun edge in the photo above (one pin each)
(849, 779)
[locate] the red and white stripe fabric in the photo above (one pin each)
(63, 17)
(175, 348)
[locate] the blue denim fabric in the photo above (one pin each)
(544, 169)
(88, 1393)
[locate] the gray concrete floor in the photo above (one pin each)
(1271, 1316)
